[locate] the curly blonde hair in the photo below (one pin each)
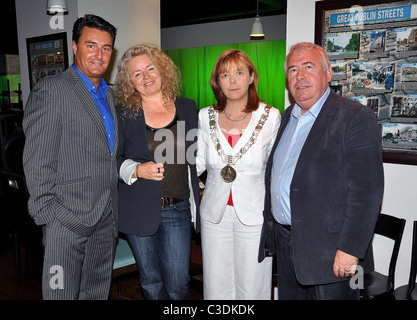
(128, 96)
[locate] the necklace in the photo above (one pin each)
(228, 173)
(235, 120)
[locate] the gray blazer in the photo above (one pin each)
(70, 173)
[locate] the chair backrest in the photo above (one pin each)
(15, 202)
(12, 154)
(393, 228)
(413, 270)
(14, 188)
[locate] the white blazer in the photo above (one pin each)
(248, 189)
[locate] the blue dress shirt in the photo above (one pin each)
(286, 157)
(99, 97)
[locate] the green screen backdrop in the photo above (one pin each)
(196, 65)
(14, 81)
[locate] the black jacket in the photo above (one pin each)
(140, 203)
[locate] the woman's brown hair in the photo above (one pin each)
(227, 59)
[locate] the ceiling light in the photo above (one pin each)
(257, 32)
(56, 6)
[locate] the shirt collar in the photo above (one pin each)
(103, 87)
(315, 109)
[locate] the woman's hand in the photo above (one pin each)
(149, 170)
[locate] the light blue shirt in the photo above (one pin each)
(286, 156)
(99, 97)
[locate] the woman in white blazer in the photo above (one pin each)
(234, 140)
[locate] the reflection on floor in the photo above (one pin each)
(126, 287)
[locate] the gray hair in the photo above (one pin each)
(307, 46)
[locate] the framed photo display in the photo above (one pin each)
(372, 47)
(47, 55)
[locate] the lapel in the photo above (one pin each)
(284, 121)
(182, 114)
(87, 102)
(222, 139)
(138, 129)
(111, 101)
(256, 115)
(186, 118)
(318, 132)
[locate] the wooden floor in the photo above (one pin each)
(124, 288)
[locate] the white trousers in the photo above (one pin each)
(231, 270)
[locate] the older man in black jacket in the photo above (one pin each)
(324, 184)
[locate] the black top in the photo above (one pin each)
(167, 144)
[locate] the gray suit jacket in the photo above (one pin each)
(70, 173)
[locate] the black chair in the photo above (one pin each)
(12, 153)
(10, 127)
(409, 291)
(377, 285)
(27, 235)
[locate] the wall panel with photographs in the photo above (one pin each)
(372, 46)
(47, 55)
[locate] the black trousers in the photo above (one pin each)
(288, 286)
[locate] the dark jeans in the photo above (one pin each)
(288, 286)
(163, 259)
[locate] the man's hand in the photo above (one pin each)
(344, 264)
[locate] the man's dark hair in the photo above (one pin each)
(92, 21)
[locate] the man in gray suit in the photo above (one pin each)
(70, 167)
